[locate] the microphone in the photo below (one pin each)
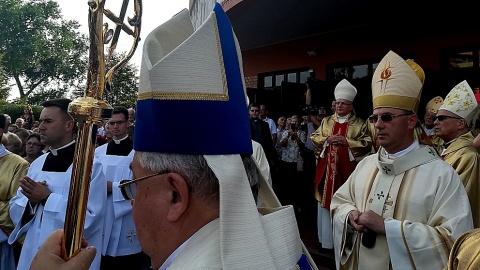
(369, 239)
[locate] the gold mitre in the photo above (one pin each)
(434, 104)
(397, 83)
(461, 101)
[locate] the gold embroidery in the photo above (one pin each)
(385, 76)
(183, 96)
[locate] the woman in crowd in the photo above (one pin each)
(28, 117)
(34, 147)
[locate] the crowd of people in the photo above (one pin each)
(44, 155)
(335, 144)
(390, 191)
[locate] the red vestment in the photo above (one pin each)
(333, 169)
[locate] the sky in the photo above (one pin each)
(155, 12)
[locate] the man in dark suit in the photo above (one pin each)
(261, 133)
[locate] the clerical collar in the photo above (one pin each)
(342, 119)
(428, 131)
(446, 145)
(119, 141)
(414, 146)
(3, 151)
(55, 151)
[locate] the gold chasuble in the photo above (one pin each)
(466, 161)
(422, 201)
(12, 169)
(335, 163)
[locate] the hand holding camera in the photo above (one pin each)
(292, 132)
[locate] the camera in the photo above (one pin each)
(292, 128)
(310, 110)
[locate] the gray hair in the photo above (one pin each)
(252, 174)
(194, 168)
(201, 180)
(8, 119)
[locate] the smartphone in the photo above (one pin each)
(292, 127)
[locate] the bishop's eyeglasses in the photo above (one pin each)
(129, 187)
(444, 117)
(386, 117)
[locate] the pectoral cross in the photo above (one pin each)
(380, 195)
(386, 169)
(130, 236)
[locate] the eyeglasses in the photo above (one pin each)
(343, 104)
(386, 117)
(116, 123)
(444, 117)
(128, 190)
(254, 110)
(34, 144)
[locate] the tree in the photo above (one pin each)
(39, 47)
(124, 88)
(4, 88)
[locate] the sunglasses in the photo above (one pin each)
(127, 188)
(444, 117)
(386, 117)
(254, 110)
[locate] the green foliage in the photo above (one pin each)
(4, 88)
(124, 88)
(16, 110)
(40, 49)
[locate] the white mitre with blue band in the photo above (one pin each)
(187, 74)
(181, 67)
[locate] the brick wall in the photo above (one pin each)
(251, 82)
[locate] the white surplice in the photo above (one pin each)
(424, 204)
(51, 217)
(120, 234)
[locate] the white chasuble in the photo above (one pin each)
(424, 205)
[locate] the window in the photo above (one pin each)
(273, 80)
(292, 77)
(360, 71)
(279, 79)
(267, 81)
(304, 75)
(461, 60)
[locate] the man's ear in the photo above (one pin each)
(462, 124)
(179, 196)
(412, 121)
(69, 125)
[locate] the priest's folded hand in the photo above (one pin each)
(353, 218)
(34, 191)
(372, 222)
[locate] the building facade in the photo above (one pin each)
(285, 42)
